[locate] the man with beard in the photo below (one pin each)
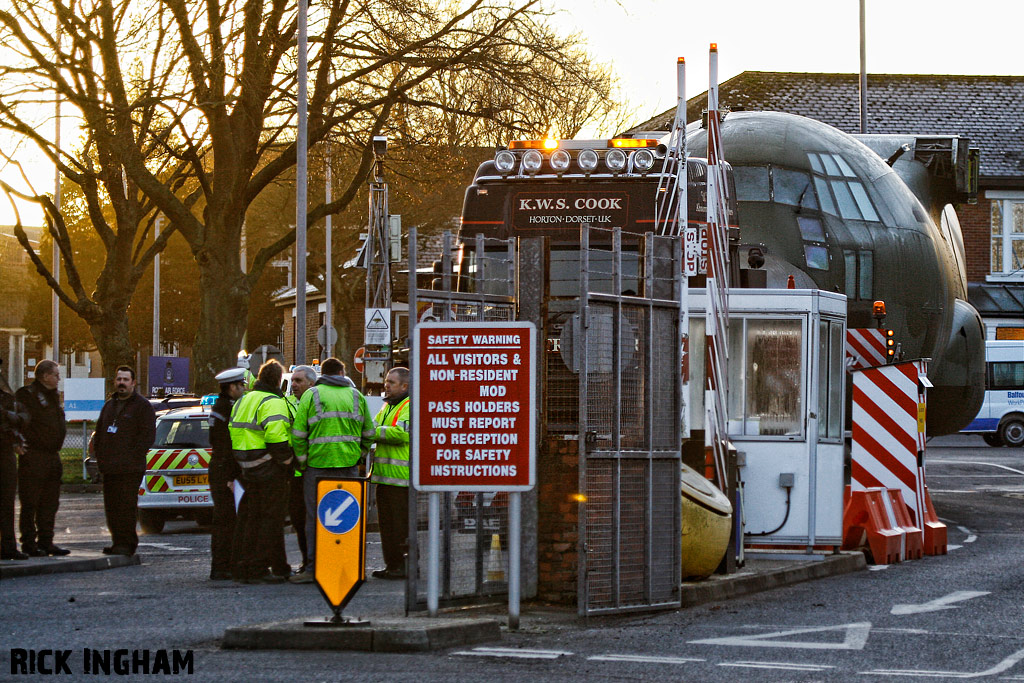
(125, 432)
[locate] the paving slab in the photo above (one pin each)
(77, 561)
(410, 634)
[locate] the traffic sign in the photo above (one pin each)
(340, 567)
(357, 360)
(326, 337)
(473, 406)
(377, 331)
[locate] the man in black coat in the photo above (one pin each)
(40, 469)
(224, 471)
(13, 418)
(124, 434)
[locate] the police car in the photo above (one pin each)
(177, 481)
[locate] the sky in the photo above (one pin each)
(641, 40)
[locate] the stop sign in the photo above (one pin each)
(357, 361)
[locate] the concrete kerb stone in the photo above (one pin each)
(412, 634)
(78, 561)
(747, 582)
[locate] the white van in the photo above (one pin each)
(1001, 418)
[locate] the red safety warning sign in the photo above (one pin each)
(473, 394)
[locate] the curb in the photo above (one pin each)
(380, 635)
(725, 588)
(10, 569)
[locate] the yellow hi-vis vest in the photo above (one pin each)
(293, 407)
(332, 427)
(258, 418)
(391, 462)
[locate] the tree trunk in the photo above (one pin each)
(223, 315)
(111, 334)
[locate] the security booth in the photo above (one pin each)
(786, 403)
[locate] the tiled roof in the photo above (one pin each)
(987, 109)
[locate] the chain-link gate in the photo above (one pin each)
(616, 385)
(482, 291)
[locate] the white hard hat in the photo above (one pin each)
(231, 376)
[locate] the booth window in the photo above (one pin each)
(766, 389)
(831, 350)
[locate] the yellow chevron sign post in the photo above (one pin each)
(340, 565)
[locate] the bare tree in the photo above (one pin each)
(188, 108)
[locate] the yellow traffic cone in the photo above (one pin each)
(495, 561)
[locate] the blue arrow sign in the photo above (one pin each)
(338, 511)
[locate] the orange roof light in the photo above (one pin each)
(632, 143)
(550, 143)
(526, 144)
(714, 47)
(878, 309)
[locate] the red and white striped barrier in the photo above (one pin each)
(865, 348)
(889, 431)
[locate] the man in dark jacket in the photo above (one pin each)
(124, 434)
(39, 469)
(13, 418)
(223, 473)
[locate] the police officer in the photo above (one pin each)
(303, 377)
(259, 429)
(39, 469)
(391, 473)
(332, 431)
(223, 473)
(13, 418)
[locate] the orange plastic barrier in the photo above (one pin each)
(866, 523)
(934, 530)
(914, 548)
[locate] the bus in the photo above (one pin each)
(1000, 422)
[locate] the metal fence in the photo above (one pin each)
(474, 525)
(76, 444)
(615, 384)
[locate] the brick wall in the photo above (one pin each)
(557, 521)
(312, 325)
(974, 222)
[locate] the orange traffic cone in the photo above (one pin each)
(495, 560)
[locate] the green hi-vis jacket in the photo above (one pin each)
(293, 407)
(332, 426)
(259, 426)
(391, 462)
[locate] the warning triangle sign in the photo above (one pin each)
(855, 637)
(377, 322)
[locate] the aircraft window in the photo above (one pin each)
(847, 207)
(751, 183)
(793, 187)
(824, 196)
(816, 163)
(867, 273)
(850, 262)
(831, 167)
(863, 203)
(844, 167)
(817, 256)
(810, 229)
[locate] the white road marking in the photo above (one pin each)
(938, 604)
(953, 546)
(877, 567)
(164, 546)
(643, 659)
(997, 669)
(787, 666)
(513, 652)
(856, 635)
(975, 462)
(971, 538)
(931, 490)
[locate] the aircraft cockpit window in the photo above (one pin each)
(817, 256)
(844, 167)
(810, 229)
(793, 187)
(816, 164)
(825, 196)
(751, 183)
(847, 205)
(831, 167)
(860, 195)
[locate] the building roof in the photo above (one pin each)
(987, 109)
(995, 300)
